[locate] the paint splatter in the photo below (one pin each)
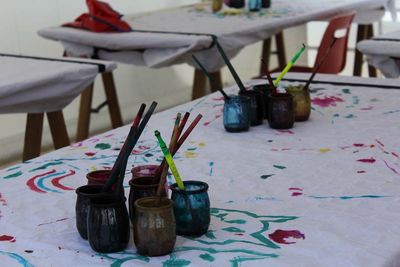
(286, 131)
(370, 160)
(358, 145)
(367, 108)
(390, 168)
(7, 238)
(45, 166)
(266, 176)
(103, 146)
(18, 258)
(233, 230)
(350, 116)
(190, 154)
(59, 220)
(28, 251)
(346, 91)
(90, 154)
(13, 175)
(31, 182)
(327, 101)
(298, 191)
(295, 194)
(347, 197)
(211, 164)
(279, 167)
(361, 171)
(207, 257)
(324, 150)
(175, 263)
(280, 236)
(56, 181)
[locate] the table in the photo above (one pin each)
(324, 193)
(383, 53)
(36, 85)
(234, 32)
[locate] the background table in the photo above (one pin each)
(234, 33)
(329, 185)
(383, 52)
(35, 86)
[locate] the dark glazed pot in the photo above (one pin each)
(154, 227)
(302, 102)
(237, 114)
(265, 90)
(256, 106)
(142, 187)
(191, 208)
(84, 195)
(144, 171)
(281, 111)
(108, 224)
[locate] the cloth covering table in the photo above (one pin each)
(383, 52)
(36, 85)
(324, 193)
(234, 32)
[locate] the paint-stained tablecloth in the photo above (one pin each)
(35, 84)
(234, 31)
(324, 193)
(383, 52)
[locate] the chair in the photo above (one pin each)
(338, 27)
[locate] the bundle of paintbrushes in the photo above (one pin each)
(118, 170)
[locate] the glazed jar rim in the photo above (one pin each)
(250, 93)
(119, 201)
(235, 97)
(96, 171)
(174, 187)
(281, 95)
(142, 166)
(132, 182)
(146, 199)
(79, 190)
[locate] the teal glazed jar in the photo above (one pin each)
(237, 114)
(191, 208)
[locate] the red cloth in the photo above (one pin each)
(101, 18)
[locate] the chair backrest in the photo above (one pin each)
(336, 59)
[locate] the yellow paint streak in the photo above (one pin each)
(202, 144)
(190, 154)
(324, 150)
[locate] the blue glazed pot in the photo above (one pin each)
(191, 208)
(237, 114)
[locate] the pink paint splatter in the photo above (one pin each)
(280, 236)
(7, 238)
(218, 98)
(391, 168)
(361, 171)
(394, 154)
(2, 201)
(209, 122)
(295, 194)
(59, 220)
(367, 108)
(371, 160)
(79, 144)
(90, 154)
(296, 188)
(358, 145)
(327, 101)
(286, 131)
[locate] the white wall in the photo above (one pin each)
(19, 22)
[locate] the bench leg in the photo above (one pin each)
(58, 129)
(217, 78)
(280, 49)
(265, 54)
(199, 84)
(112, 99)
(82, 132)
(33, 136)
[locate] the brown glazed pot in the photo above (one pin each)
(301, 102)
(154, 227)
(281, 111)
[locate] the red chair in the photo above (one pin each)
(335, 62)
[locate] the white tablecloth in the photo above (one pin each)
(383, 52)
(35, 85)
(331, 183)
(234, 32)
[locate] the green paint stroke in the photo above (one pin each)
(233, 230)
(13, 168)
(236, 262)
(207, 257)
(103, 146)
(350, 116)
(47, 165)
(279, 167)
(175, 263)
(13, 175)
(210, 234)
(118, 262)
(266, 176)
(346, 91)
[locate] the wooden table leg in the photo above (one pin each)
(217, 78)
(58, 129)
(112, 99)
(33, 136)
(199, 84)
(280, 48)
(84, 113)
(265, 54)
(358, 56)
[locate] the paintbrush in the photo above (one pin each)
(228, 63)
(289, 65)
(212, 81)
(270, 81)
(320, 63)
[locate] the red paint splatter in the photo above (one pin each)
(286, 131)
(295, 194)
(31, 182)
(361, 171)
(279, 236)
(90, 154)
(296, 188)
(394, 154)
(367, 108)
(327, 101)
(358, 145)
(391, 168)
(7, 238)
(209, 122)
(79, 144)
(56, 181)
(238, 234)
(59, 220)
(108, 135)
(379, 142)
(140, 149)
(3, 201)
(371, 160)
